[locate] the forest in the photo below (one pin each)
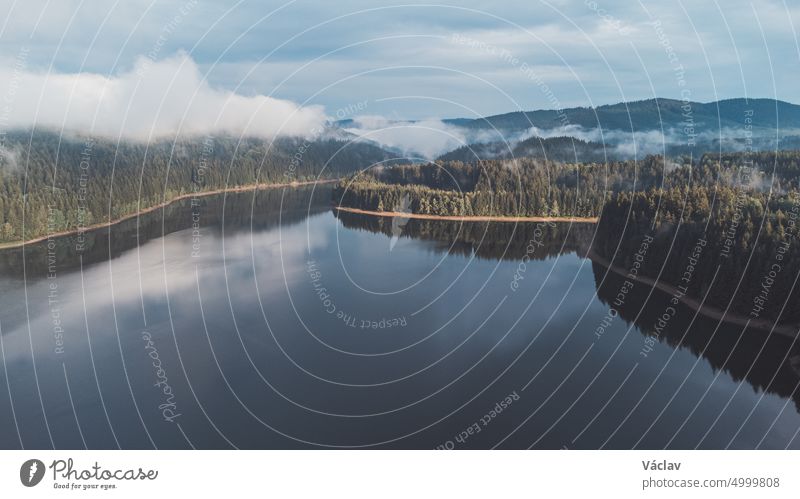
(769, 363)
(522, 187)
(749, 259)
(743, 206)
(536, 187)
(563, 149)
(220, 216)
(51, 183)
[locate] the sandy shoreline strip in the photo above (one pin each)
(192, 195)
(455, 218)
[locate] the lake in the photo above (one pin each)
(267, 320)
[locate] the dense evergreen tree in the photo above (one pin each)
(749, 258)
(744, 206)
(522, 187)
(50, 183)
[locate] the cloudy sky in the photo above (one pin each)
(81, 62)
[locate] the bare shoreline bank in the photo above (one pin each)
(199, 194)
(456, 218)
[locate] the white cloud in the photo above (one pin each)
(720, 44)
(9, 157)
(154, 100)
(427, 138)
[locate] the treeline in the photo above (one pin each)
(235, 212)
(735, 247)
(51, 183)
(523, 187)
(744, 207)
(534, 187)
(568, 149)
(563, 149)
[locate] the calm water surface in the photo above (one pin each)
(273, 323)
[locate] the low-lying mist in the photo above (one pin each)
(433, 138)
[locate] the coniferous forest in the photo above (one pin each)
(742, 207)
(51, 183)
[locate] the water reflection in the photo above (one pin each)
(285, 325)
(239, 211)
(767, 361)
(509, 241)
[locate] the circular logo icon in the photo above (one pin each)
(31, 472)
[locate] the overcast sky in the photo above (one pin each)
(410, 61)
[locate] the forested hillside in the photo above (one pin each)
(523, 187)
(534, 187)
(236, 212)
(654, 114)
(734, 247)
(50, 183)
(743, 206)
(563, 149)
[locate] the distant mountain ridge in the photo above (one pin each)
(651, 114)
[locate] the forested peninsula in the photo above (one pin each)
(721, 228)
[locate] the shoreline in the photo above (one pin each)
(144, 211)
(465, 218)
(788, 330)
